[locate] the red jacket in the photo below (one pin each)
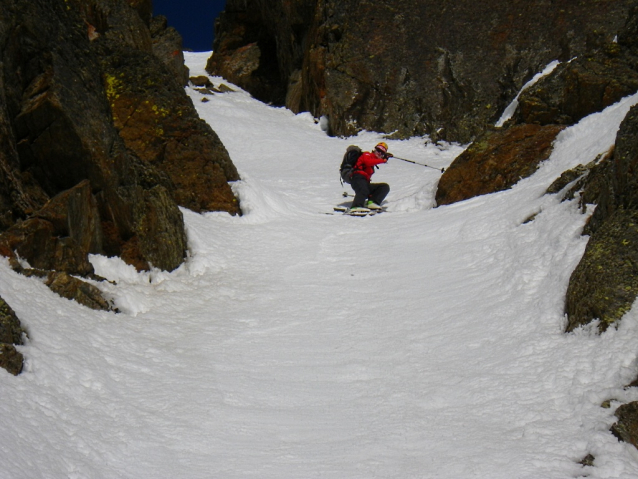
(366, 163)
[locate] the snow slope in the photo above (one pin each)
(420, 343)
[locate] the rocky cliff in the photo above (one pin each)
(100, 144)
(92, 103)
(412, 67)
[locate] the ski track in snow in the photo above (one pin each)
(420, 343)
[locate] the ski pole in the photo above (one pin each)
(421, 164)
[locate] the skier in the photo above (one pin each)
(368, 196)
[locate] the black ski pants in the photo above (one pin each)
(364, 191)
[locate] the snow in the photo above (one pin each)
(420, 343)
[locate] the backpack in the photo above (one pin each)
(347, 164)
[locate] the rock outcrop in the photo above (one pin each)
(626, 428)
(496, 161)
(100, 142)
(158, 123)
(604, 285)
(402, 66)
(11, 333)
(60, 235)
(100, 146)
(575, 89)
(167, 46)
(579, 88)
(61, 134)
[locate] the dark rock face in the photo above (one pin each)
(587, 84)
(159, 124)
(100, 144)
(157, 120)
(572, 91)
(496, 162)
(11, 359)
(61, 121)
(580, 88)
(167, 46)
(247, 52)
(59, 236)
(604, 285)
(144, 9)
(408, 66)
(99, 138)
(10, 335)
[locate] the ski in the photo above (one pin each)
(346, 211)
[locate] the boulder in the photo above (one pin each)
(496, 161)
(73, 288)
(574, 177)
(11, 359)
(10, 334)
(10, 329)
(626, 428)
(201, 81)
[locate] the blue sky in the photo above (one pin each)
(193, 19)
